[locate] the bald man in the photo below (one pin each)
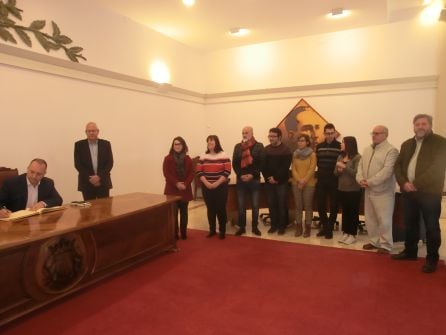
(29, 190)
(247, 162)
(93, 159)
(375, 175)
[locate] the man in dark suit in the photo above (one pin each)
(93, 159)
(29, 190)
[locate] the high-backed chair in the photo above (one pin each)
(6, 173)
(197, 182)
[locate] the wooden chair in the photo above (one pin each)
(6, 173)
(196, 182)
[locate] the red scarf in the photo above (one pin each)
(246, 152)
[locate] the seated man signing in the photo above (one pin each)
(29, 190)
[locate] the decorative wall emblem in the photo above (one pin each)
(302, 119)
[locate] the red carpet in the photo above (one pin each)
(253, 286)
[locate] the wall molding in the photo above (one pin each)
(33, 61)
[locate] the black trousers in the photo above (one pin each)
(277, 204)
(416, 204)
(92, 193)
(182, 209)
(326, 193)
(350, 211)
(215, 200)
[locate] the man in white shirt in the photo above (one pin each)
(29, 190)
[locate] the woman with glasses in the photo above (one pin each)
(179, 173)
(349, 190)
(213, 169)
(303, 183)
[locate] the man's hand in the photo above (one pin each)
(409, 187)
(363, 183)
(4, 213)
(38, 206)
(271, 180)
(95, 180)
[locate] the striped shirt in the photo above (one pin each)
(327, 156)
(213, 166)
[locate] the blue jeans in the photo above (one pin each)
(429, 206)
(244, 189)
(277, 204)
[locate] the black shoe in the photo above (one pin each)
(328, 235)
(256, 231)
(321, 233)
(211, 233)
(281, 231)
(272, 230)
(239, 232)
(221, 236)
(184, 237)
(404, 256)
(429, 266)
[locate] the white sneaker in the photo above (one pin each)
(344, 237)
(350, 240)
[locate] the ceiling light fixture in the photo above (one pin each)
(238, 32)
(432, 12)
(338, 13)
(189, 3)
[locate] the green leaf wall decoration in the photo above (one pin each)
(55, 41)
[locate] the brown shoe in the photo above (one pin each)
(383, 251)
(369, 246)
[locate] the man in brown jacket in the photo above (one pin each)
(420, 172)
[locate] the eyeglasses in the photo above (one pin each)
(330, 133)
(177, 143)
(373, 133)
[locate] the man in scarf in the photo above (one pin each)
(247, 162)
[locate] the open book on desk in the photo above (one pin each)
(24, 213)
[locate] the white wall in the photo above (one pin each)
(403, 49)
(113, 42)
(440, 116)
(43, 115)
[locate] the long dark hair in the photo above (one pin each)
(218, 147)
(183, 142)
(351, 146)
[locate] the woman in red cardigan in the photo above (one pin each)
(178, 171)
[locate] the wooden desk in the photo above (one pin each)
(44, 258)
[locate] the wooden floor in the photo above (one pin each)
(198, 220)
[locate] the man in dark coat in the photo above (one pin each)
(29, 190)
(93, 159)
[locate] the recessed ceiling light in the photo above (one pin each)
(238, 32)
(338, 13)
(189, 3)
